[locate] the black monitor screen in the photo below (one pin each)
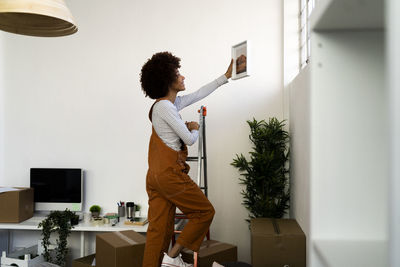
(56, 185)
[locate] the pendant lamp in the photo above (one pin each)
(47, 18)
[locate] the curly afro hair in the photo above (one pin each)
(158, 74)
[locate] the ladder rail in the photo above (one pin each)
(200, 148)
(204, 157)
(201, 164)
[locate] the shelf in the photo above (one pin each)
(355, 253)
(334, 15)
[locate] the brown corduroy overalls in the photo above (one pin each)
(169, 186)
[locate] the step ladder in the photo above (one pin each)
(201, 160)
(201, 153)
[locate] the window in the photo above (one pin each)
(306, 7)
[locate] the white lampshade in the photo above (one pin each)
(47, 18)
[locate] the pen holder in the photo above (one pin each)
(121, 211)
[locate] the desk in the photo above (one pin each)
(32, 224)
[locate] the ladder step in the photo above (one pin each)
(193, 158)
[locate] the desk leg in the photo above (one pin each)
(82, 244)
(9, 241)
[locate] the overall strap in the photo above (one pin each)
(183, 146)
(151, 109)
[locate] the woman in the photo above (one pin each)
(167, 183)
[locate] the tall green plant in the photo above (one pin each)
(266, 174)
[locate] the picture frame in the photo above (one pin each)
(241, 60)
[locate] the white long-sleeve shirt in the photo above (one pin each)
(167, 122)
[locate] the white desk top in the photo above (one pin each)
(32, 224)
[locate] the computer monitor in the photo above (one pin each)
(57, 188)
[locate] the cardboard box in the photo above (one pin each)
(210, 251)
(277, 242)
(16, 206)
(120, 249)
(84, 262)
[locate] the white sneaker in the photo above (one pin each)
(216, 264)
(174, 262)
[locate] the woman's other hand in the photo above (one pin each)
(228, 73)
(192, 125)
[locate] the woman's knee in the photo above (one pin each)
(210, 212)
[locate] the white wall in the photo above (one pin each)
(300, 152)
(76, 101)
(297, 105)
(393, 67)
(291, 40)
(290, 50)
(2, 110)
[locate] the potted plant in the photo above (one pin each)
(95, 210)
(57, 222)
(266, 174)
(137, 210)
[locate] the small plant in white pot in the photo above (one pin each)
(95, 210)
(137, 210)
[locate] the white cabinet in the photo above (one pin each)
(344, 138)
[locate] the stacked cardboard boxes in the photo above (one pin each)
(16, 206)
(116, 249)
(120, 249)
(87, 261)
(210, 251)
(277, 243)
(126, 249)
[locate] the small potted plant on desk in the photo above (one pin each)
(95, 210)
(137, 210)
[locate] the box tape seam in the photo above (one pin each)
(124, 237)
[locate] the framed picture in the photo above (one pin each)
(241, 59)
